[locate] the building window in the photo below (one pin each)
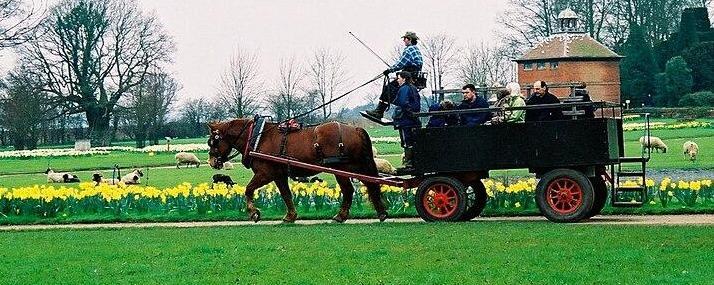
(540, 65)
(553, 65)
(527, 66)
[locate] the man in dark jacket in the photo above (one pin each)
(473, 101)
(542, 96)
(407, 103)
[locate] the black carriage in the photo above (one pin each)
(578, 159)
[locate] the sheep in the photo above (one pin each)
(98, 178)
(383, 166)
(60, 177)
(222, 178)
(132, 177)
(691, 149)
(226, 165)
(654, 142)
(187, 158)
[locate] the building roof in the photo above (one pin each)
(569, 46)
(567, 14)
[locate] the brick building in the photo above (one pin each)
(572, 56)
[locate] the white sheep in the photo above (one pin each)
(132, 177)
(228, 165)
(691, 149)
(187, 158)
(384, 166)
(653, 142)
(60, 177)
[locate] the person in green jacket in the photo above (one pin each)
(512, 99)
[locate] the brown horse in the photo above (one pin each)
(313, 145)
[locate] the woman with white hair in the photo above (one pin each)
(512, 98)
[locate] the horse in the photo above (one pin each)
(335, 145)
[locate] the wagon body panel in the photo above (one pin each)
(534, 145)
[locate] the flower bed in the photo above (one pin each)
(85, 198)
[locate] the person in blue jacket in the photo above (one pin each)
(437, 121)
(473, 101)
(407, 103)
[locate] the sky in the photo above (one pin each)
(207, 33)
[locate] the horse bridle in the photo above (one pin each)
(215, 138)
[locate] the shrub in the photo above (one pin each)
(698, 99)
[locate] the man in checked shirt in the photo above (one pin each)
(410, 61)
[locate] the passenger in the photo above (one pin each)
(508, 98)
(473, 101)
(411, 61)
(442, 120)
(542, 96)
(407, 103)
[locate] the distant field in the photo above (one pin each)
(85, 165)
(460, 253)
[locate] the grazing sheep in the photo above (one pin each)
(98, 178)
(383, 166)
(222, 178)
(132, 177)
(304, 179)
(187, 158)
(654, 142)
(691, 149)
(226, 165)
(60, 177)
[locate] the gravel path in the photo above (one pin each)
(669, 220)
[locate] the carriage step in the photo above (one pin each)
(630, 174)
(627, 204)
(630, 189)
(633, 159)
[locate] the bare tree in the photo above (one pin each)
(93, 52)
(486, 66)
(241, 85)
(24, 108)
(608, 21)
(17, 22)
(149, 105)
(288, 101)
(439, 53)
(196, 113)
(327, 76)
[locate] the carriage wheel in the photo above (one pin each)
(441, 199)
(600, 190)
(475, 200)
(565, 195)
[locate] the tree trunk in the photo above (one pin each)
(99, 130)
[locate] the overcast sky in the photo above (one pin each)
(208, 32)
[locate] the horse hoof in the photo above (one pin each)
(338, 218)
(382, 217)
(289, 219)
(255, 216)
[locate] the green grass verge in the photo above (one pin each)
(461, 253)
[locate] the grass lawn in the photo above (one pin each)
(461, 253)
(673, 159)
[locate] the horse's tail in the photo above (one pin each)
(369, 167)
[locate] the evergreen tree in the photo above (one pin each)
(700, 58)
(637, 69)
(675, 82)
